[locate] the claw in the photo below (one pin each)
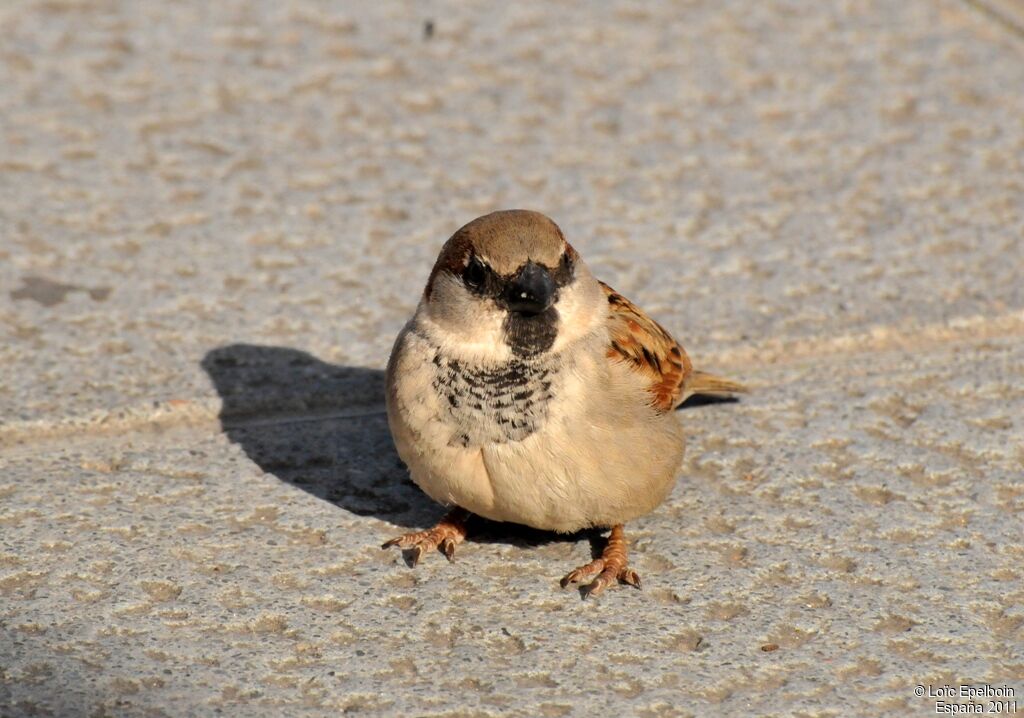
(631, 577)
(571, 577)
(597, 586)
(415, 554)
(448, 549)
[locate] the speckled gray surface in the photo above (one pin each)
(215, 219)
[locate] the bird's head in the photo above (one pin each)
(510, 281)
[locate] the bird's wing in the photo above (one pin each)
(649, 350)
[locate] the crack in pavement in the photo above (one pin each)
(1007, 14)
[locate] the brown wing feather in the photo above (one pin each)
(640, 341)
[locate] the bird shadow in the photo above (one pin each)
(322, 428)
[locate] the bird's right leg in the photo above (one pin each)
(449, 533)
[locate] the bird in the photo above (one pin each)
(525, 390)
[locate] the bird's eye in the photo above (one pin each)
(475, 273)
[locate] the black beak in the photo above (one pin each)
(531, 290)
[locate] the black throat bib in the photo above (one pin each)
(531, 334)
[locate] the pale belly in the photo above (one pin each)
(562, 480)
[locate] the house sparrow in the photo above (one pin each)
(525, 390)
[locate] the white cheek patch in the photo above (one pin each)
(581, 307)
(467, 327)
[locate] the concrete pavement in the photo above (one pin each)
(215, 220)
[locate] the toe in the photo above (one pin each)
(630, 576)
(577, 575)
(397, 541)
(405, 540)
(599, 584)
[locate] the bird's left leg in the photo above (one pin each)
(610, 568)
(446, 535)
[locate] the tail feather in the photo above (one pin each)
(701, 382)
